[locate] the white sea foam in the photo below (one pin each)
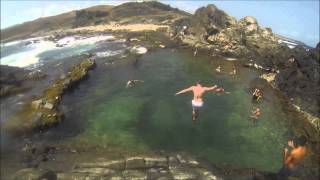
(231, 59)
(23, 41)
(70, 41)
(139, 49)
(27, 58)
(11, 43)
(108, 53)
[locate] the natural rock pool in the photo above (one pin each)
(148, 117)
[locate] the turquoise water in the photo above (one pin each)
(149, 116)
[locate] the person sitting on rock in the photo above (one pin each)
(257, 95)
(218, 69)
(255, 114)
(132, 82)
(292, 160)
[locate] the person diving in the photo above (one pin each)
(197, 102)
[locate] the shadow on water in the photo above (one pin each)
(149, 117)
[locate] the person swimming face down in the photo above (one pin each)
(132, 82)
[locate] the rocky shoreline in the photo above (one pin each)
(160, 167)
(12, 80)
(44, 111)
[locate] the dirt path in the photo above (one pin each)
(117, 27)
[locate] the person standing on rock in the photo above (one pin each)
(198, 91)
(293, 159)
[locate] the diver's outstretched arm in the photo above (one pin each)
(210, 88)
(184, 90)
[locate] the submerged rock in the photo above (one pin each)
(34, 174)
(97, 171)
(156, 162)
(113, 164)
(134, 174)
(141, 167)
(183, 174)
(135, 162)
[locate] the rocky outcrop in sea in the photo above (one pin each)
(43, 111)
(13, 79)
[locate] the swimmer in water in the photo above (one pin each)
(233, 72)
(132, 82)
(255, 114)
(257, 95)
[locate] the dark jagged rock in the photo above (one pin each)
(13, 79)
(315, 53)
(206, 21)
(299, 79)
(43, 112)
(213, 29)
(209, 20)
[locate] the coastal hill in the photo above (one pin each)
(147, 12)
